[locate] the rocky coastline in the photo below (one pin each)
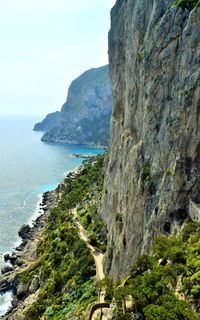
(24, 255)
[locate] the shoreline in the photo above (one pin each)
(36, 213)
(38, 210)
(83, 145)
(24, 254)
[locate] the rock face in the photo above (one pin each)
(154, 160)
(51, 120)
(85, 117)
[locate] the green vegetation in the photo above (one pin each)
(184, 92)
(168, 172)
(88, 209)
(146, 178)
(145, 171)
(141, 55)
(189, 4)
(165, 285)
(65, 265)
(118, 218)
(91, 221)
(119, 221)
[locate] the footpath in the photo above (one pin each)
(99, 309)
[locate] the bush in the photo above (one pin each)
(189, 229)
(142, 264)
(65, 262)
(145, 171)
(118, 218)
(153, 280)
(189, 4)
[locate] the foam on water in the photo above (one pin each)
(37, 212)
(5, 302)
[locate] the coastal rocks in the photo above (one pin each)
(6, 269)
(23, 256)
(154, 159)
(6, 257)
(85, 117)
(4, 284)
(24, 231)
(35, 284)
(22, 290)
(14, 258)
(25, 250)
(19, 262)
(8, 282)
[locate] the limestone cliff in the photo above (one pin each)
(85, 117)
(154, 160)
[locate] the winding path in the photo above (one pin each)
(98, 258)
(96, 253)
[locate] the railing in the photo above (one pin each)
(98, 306)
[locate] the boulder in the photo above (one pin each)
(24, 231)
(34, 286)
(13, 258)
(22, 290)
(6, 257)
(6, 268)
(4, 285)
(19, 262)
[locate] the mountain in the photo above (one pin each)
(152, 183)
(85, 117)
(122, 241)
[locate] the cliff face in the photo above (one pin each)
(85, 117)
(154, 159)
(51, 120)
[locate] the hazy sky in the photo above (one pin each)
(44, 45)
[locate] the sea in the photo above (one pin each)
(28, 167)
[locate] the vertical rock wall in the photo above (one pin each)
(154, 161)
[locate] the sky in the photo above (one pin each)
(44, 45)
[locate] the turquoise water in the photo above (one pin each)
(28, 167)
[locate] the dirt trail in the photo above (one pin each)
(97, 255)
(98, 258)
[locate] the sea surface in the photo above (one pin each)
(28, 167)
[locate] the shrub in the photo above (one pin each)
(168, 171)
(65, 262)
(118, 218)
(145, 171)
(189, 4)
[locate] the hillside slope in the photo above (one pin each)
(85, 117)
